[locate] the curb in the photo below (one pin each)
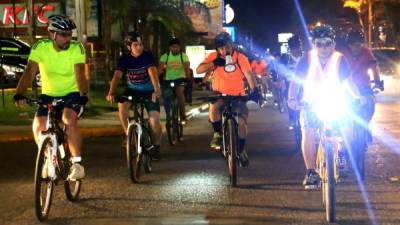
(93, 131)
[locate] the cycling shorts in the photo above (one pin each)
(43, 111)
(149, 105)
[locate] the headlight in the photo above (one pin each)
(330, 102)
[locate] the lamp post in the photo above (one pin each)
(370, 22)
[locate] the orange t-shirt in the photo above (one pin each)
(230, 83)
(259, 68)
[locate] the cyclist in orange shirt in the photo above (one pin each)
(230, 68)
(260, 69)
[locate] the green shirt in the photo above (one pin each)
(57, 71)
(175, 66)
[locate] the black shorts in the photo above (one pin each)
(149, 105)
(43, 111)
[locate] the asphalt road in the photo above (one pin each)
(190, 184)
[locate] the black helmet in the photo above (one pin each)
(174, 41)
(294, 42)
(132, 36)
(222, 39)
(355, 36)
(323, 31)
(60, 23)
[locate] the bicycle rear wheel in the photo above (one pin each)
(133, 159)
(72, 188)
(43, 186)
(359, 149)
(232, 145)
(329, 182)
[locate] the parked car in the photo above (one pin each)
(13, 59)
(388, 60)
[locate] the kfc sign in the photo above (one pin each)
(19, 14)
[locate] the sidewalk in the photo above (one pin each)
(106, 124)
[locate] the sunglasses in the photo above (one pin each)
(323, 44)
(65, 35)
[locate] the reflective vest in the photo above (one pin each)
(318, 79)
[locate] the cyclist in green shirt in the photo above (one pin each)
(176, 65)
(60, 61)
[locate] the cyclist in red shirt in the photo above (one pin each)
(361, 60)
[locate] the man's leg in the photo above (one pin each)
(180, 94)
(38, 125)
(70, 119)
(215, 120)
(153, 109)
(155, 124)
(123, 114)
(309, 150)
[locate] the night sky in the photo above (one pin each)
(265, 19)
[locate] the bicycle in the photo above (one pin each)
(54, 157)
(139, 143)
(360, 136)
(174, 124)
(230, 136)
(262, 88)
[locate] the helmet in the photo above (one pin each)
(174, 41)
(60, 23)
(323, 31)
(294, 42)
(355, 36)
(132, 37)
(222, 39)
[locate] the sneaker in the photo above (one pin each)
(77, 172)
(216, 141)
(155, 153)
(243, 159)
(311, 180)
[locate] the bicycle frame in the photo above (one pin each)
(54, 132)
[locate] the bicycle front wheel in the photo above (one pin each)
(329, 182)
(178, 125)
(172, 139)
(232, 145)
(43, 185)
(133, 158)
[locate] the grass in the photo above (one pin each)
(11, 115)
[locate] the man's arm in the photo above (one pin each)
(83, 83)
(27, 77)
(205, 67)
(187, 69)
(250, 78)
(113, 85)
(154, 80)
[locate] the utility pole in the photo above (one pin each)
(80, 19)
(370, 22)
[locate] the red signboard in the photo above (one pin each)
(18, 14)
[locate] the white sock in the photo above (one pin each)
(76, 159)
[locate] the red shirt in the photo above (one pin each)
(359, 66)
